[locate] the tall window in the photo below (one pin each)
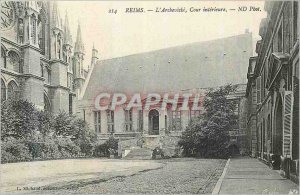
(110, 121)
(140, 120)
(47, 105)
(128, 120)
(97, 121)
(41, 32)
(12, 91)
(3, 91)
(176, 120)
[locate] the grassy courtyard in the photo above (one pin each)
(87, 176)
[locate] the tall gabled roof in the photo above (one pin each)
(197, 65)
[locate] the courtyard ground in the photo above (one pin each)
(88, 176)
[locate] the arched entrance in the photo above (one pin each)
(278, 128)
(153, 122)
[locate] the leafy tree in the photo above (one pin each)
(63, 124)
(46, 121)
(209, 135)
(19, 119)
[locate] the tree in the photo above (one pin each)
(19, 119)
(63, 124)
(209, 135)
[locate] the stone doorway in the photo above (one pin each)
(153, 122)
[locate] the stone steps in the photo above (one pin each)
(139, 154)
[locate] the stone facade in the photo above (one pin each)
(38, 62)
(191, 68)
(272, 90)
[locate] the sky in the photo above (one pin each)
(121, 34)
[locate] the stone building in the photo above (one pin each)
(39, 61)
(272, 90)
(187, 68)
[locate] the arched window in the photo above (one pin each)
(47, 105)
(3, 91)
(47, 75)
(3, 58)
(13, 61)
(42, 31)
(12, 91)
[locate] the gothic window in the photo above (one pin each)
(12, 91)
(176, 120)
(13, 62)
(3, 58)
(97, 121)
(41, 32)
(3, 91)
(128, 120)
(47, 105)
(110, 121)
(47, 75)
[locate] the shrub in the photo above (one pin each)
(50, 150)
(101, 150)
(29, 134)
(13, 150)
(67, 148)
(18, 119)
(107, 148)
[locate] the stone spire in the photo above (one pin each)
(79, 47)
(67, 35)
(94, 56)
(56, 20)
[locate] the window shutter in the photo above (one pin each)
(287, 123)
(258, 89)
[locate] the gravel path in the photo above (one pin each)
(194, 176)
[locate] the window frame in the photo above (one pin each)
(97, 121)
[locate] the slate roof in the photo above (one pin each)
(196, 65)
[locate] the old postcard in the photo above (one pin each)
(149, 97)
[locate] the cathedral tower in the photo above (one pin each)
(78, 58)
